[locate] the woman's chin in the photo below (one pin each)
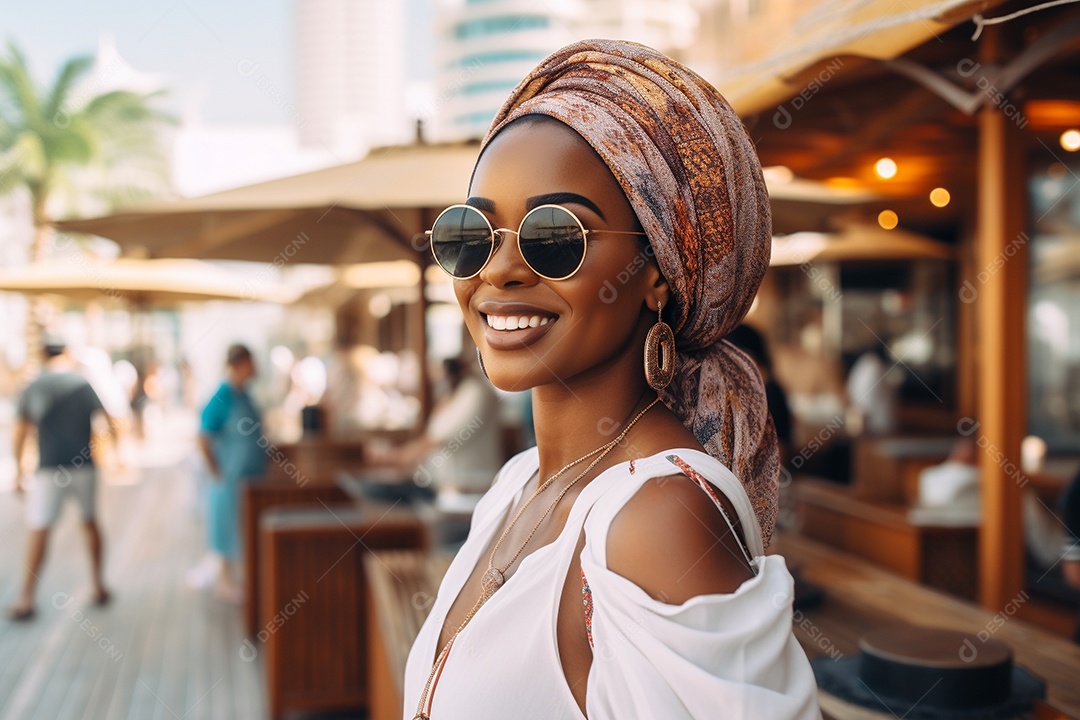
(509, 381)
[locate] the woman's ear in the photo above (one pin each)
(657, 292)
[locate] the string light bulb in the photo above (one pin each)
(1070, 140)
(885, 168)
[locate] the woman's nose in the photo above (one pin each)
(506, 265)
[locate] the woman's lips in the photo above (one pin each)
(512, 331)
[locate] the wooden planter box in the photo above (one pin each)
(312, 631)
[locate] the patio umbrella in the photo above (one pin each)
(366, 211)
(858, 241)
(142, 283)
(373, 210)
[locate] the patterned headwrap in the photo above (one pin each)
(690, 172)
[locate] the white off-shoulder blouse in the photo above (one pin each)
(714, 656)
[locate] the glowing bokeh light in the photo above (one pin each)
(888, 219)
(1070, 140)
(885, 168)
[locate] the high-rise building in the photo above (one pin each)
(485, 47)
(351, 74)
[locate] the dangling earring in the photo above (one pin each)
(659, 353)
(480, 359)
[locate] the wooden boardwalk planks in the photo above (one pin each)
(159, 651)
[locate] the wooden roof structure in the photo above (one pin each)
(962, 114)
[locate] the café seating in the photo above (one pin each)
(871, 517)
(941, 557)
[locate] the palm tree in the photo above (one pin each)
(65, 146)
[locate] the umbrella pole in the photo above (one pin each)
(426, 217)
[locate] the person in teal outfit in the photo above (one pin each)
(229, 438)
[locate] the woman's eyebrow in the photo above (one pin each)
(481, 203)
(561, 198)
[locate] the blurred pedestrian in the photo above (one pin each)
(60, 404)
(229, 440)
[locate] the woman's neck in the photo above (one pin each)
(575, 418)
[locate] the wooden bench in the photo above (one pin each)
(312, 598)
(860, 597)
(401, 588)
(940, 557)
(887, 469)
(256, 499)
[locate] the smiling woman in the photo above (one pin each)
(617, 570)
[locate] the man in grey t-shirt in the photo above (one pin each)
(61, 405)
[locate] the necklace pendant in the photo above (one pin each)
(492, 581)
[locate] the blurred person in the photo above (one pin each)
(229, 436)
(949, 491)
(872, 389)
(460, 451)
(345, 373)
(60, 405)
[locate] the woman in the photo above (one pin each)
(229, 440)
(617, 570)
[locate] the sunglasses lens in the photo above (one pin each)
(552, 242)
(461, 241)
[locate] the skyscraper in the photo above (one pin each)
(351, 74)
(485, 47)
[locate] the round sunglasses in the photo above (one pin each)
(551, 240)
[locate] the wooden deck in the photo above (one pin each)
(159, 651)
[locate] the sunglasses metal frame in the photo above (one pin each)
(494, 231)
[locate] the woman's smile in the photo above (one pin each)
(513, 325)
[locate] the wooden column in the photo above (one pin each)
(1001, 254)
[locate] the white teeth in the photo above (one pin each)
(516, 322)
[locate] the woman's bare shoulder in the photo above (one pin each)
(671, 540)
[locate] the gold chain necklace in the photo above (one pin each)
(495, 577)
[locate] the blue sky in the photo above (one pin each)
(196, 45)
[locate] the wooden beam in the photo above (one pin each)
(1000, 296)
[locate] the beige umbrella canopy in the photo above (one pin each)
(858, 241)
(349, 280)
(366, 211)
(374, 210)
(142, 283)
